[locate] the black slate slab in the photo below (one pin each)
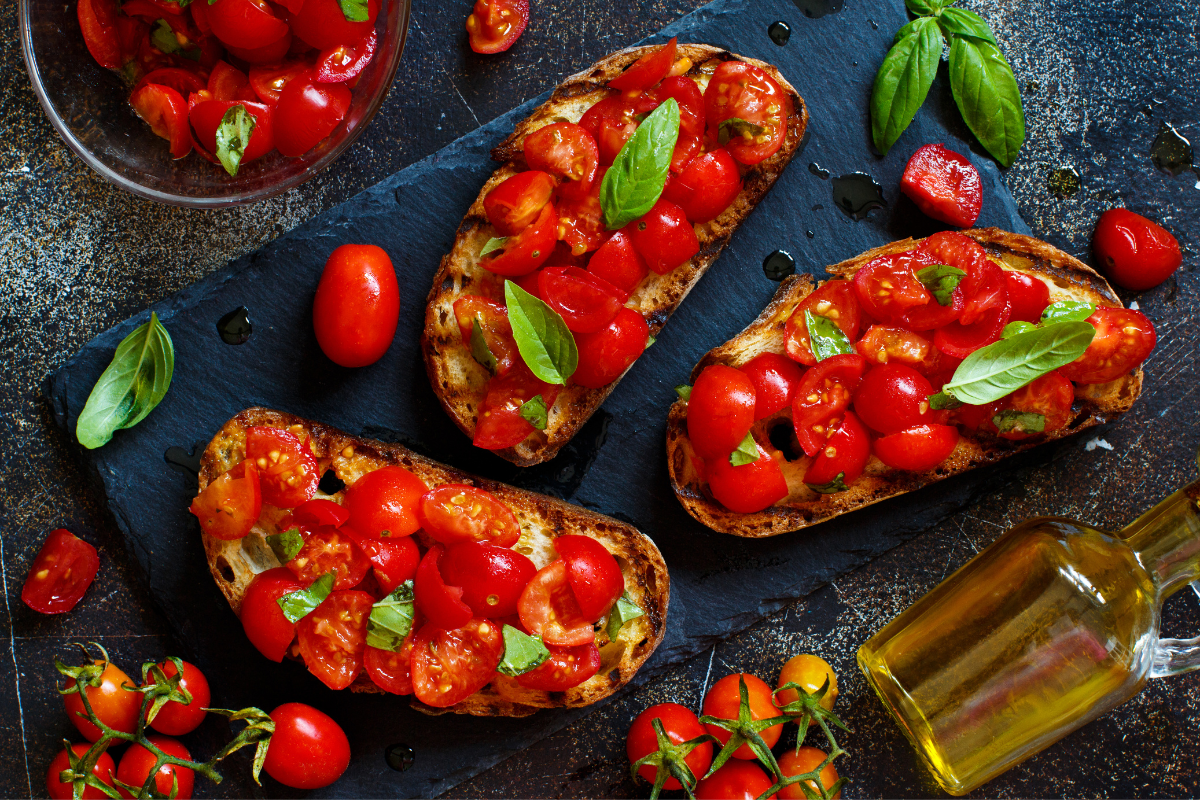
(720, 584)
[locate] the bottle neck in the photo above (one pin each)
(1167, 539)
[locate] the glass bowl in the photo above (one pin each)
(88, 106)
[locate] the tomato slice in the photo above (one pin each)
(495, 25)
(1051, 396)
(60, 574)
(286, 465)
(166, 112)
(720, 411)
(266, 626)
(343, 62)
(206, 116)
(513, 205)
(933, 314)
(548, 608)
(456, 513)
(581, 222)
(493, 323)
(983, 288)
(245, 23)
(610, 123)
(492, 578)
(944, 185)
(566, 151)
(528, 250)
(329, 550)
(268, 80)
(441, 604)
(1028, 296)
(499, 424)
(845, 454)
(586, 302)
(98, 21)
(887, 286)
(836, 300)
(748, 488)
(566, 668)
(618, 264)
(664, 237)
(315, 513)
(308, 112)
(917, 449)
(183, 81)
(887, 344)
(226, 81)
(647, 70)
(448, 666)
(705, 186)
(393, 560)
(742, 91)
(822, 397)
(333, 635)
(1124, 339)
(229, 506)
(959, 340)
(606, 354)
(593, 573)
(390, 671)
(383, 503)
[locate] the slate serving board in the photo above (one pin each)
(617, 463)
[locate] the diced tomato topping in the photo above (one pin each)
(593, 573)
(586, 302)
(456, 513)
(1027, 295)
(664, 237)
(1124, 339)
(569, 153)
(606, 354)
(844, 454)
(441, 603)
(944, 185)
(776, 379)
(332, 637)
(822, 399)
(229, 506)
(499, 424)
(617, 262)
(513, 205)
(330, 550)
(493, 324)
(647, 70)
(548, 608)
(836, 300)
(566, 668)
(917, 449)
(60, 574)
(720, 411)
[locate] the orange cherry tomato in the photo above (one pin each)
(229, 506)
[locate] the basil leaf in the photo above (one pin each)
(635, 181)
(746, 452)
(493, 244)
(130, 387)
(391, 619)
(986, 92)
(534, 412)
(286, 544)
(961, 22)
(354, 10)
(479, 347)
(684, 391)
(522, 652)
(542, 337)
(297, 605)
(1013, 421)
(1014, 328)
(903, 80)
(624, 611)
(1003, 367)
(825, 337)
(942, 402)
(650, 340)
(926, 7)
(163, 37)
(941, 280)
(181, 3)
(1067, 310)
(233, 135)
(836, 485)
(736, 126)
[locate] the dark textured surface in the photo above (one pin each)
(79, 257)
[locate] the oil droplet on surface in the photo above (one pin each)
(1171, 152)
(814, 9)
(1064, 181)
(810, 234)
(185, 460)
(820, 172)
(818, 207)
(779, 265)
(235, 327)
(874, 24)
(857, 194)
(780, 32)
(399, 756)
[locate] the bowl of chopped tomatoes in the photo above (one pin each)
(211, 103)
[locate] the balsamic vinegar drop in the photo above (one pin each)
(819, 171)
(399, 756)
(1171, 152)
(857, 194)
(235, 327)
(779, 265)
(780, 32)
(814, 9)
(185, 460)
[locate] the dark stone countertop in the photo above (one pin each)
(78, 256)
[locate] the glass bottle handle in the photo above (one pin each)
(1175, 657)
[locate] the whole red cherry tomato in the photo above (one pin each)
(513, 205)
(175, 718)
(137, 763)
(944, 185)
(438, 601)
(448, 666)
(776, 379)
(1136, 253)
(263, 620)
(492, 578)
(245, 23)
(746, 111)
(720, 411)
(357, 305)
(57, 790)
(565, 668)
(680, 725)
(308, 750)
(593, 573)
(736, 780)
(836, 300)
(566, 151)
(748, 488)
(384, 502)
(845, 455)
(706, 185)
(499, 423)
(116, 707)
(724, 700)
(617, 262)
(308, 111)
(548, 608)
(495, 25)
(664, 237)
(286, 466)
(647, 70)
(892, 398)
(917, 449)
(1027, 296)
(606, 354)
(60, 574)
(332, 636)
(1124, 339)
(323, 25)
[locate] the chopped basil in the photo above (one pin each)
(543, 339)
(942, 401)
(736, 126)
(493, 244)
(164, 38)
(684, 391)
(1067, 311)
(355, 10)
(286, 544)
(904, 80)
(941, 280)
(297, 605)
(1002, 367)
(623, 611)
(746, 452)
(836, 485)
(1013, 328)
(522, 652)
(534, 412)
(391, 619)
(825, 337)
(1013, 421)
(636, 179)
(479, 347)
(650, 340)
(233, 136)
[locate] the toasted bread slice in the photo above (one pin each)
(235, 563)
(458, 380)
(1067, 278)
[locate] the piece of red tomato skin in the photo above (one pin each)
(944, 185)
(749, 488)
(98, 21)
(322, 24)
(263, 620)
(1027, 297)
(441, 603)
(566, 668)
(61, 573)
(357, 305)
(593, 573)
(1134, 252)
(606, 354)
(647, 70)
(918, 449)
(776, 379)
(720, 411)
(482, 17)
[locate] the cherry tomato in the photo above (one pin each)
(566, 668)
(917, 449)
(617, 263)
(493, 323)
(738, 90)
(824, 394)
(586, 302)
(308, 750)
(392, 560)
(245, 23)
(308, 111)
(934, 315)
(271, 53)
(492, 578)
(610, 123)
(455, 513)
(390, 671)
(131, 32)
(286, 466)
(581, 221)
(810, 673)
(206, 117)
(175, 718)
(317, 512)
(1124, 338)
(720, 411)
(98, 21)
(960, 340)
(322, 24)
(593, 573)
(229, 506)
(887, 286)
(528, 250)
(706, 186)
(776, 379)
(1133, 251)
(183, 81)
(332, 637)
(736, 780)
(835, 300)
(268, 80)
(548, 608)
(344, 62)
(165, 111)
(60, 574)
(845, 454)
(944, 185)
(1027, 296)
(1051, 396)
(137, 762)
(330, 550)
(984, 288)
(892, 398)
(887, 344)
(748, 488)
(495, 25)
(57, 790)
(263, 620)
(566, 151)
(664, 237)
(606, 354)
(116, 707)
(384, 502)
(357, 305)
(647, 70)
(723, 701)
(499, 423)
(803, 760)
(690, 143)
(439, 602)
(448, 666)
(680, 725)
(513, 205)
(226, 81)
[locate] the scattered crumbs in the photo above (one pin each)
(1097, 442)
(1134, 305)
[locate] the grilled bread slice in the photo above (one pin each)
(235, 563)
(458, 380)
(1067, 278)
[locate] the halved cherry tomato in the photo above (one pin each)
(610, 123)
(1051, 396)
(60, 574)
(548, 608)
(495, 25)
(98, 21)
(706, 186)
(593, 573)
(917, 449)
(617, 262)
(845, 455)
(724, 700)
(332, 637)
(983, 288)
(200, 17)
(606, 354)
(528, 250)
(499, 423)
(165, 111)
(836, 300)
(960, 340)
(131, 32)
(1124, 339)
(647, 70)
(944, 185)
(748, 488)
(513, 205)
(892, 398)
(229, 506)
(664, 237)
(117, 708)
(687, 94)
(455, 513)
(384, 502)
(493, 323)
(315, 513)
(529, 283)
(736, 780)
(57, 790)
(742, 91)
(934, 315)
(587, 303)
(1133, 251)
(357, 305)
(887, 286)
(581, 221)
(268, 80)
(286, 466)
(329, 550)
(440, 602)
(176, 718)
(206, 117)
(392, 671)
(344, 62)
(393, 560)
(137, 763)
(266, 626)
(720, 411)
(1027, 296)
(887, 344)
(680, 725)
(492, 578)
(322, 24)
(448, 666)
(566, 668)
(308, 111)
(822, 397)
(776, 379)
(566, 151)
(245, 23)
(183, 81)
(271, 53)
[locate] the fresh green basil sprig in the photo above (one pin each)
(1002, 367)
(981, 79)
(635, 181)
(542, 336)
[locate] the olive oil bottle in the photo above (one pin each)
(1047, 629)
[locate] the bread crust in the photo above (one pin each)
(457, 379)
(234, 564)
(1068, 279)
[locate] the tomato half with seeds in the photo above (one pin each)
(206, 117)
(837, 301)
(493, 324)
(391, 671)
(706, 186)
(1027, 296)
(617, 263)
(330, 550)
(286, 466)
(166, 112)
(495, 25)
(245, 23)
(137, 763)
(263, 620)
(308, 112)
(720, 411)
(776, 379)
(384, 502)
(887, 286)
(98, 21)
(606, 354)
(892, 398)
(57, 790)
(499, 423)
(983, 287)
(664, 237)
(229, 506)
(268, 80)
(344, 62)
(960, 340)
(822, 397)
(680, 725)
(586, 302)
(1124, 339)
(748, 488)
(593, 573)
(944, 185)
(60, 574)
(581, 222)
(548, 608)
(492, 578)
(917, 449)
(1133, 251)
(323, 25)
(117, 708)
(844, 456)
(566, 668)
(332, 637)
(610, 123)
(741, 91)
(528, 250)
(357, 305)
(724, 701)
(647, 70)
(455, 513)
(308, 749)
(1050, 396)
(448, 666)
(889, 344)
(513, 205)
(439, 602)
(566, 151)
(393, 560)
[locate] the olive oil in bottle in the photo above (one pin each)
(1047, 629)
